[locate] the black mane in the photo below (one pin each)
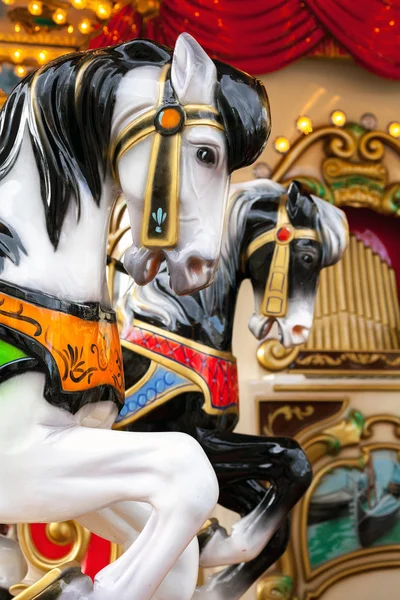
(73, 100)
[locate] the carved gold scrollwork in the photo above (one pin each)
(341, 143)
(61, 534)
(275, 357)
(275, 587)
(332, 439)
(372, 145)
(289, 413)
(370, 423)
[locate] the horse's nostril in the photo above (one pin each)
(300, 332)
(195, 265)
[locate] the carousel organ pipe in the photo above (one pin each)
(371, 339)
(358, 295)
(382, 301)
(357, 304)
(374, 298)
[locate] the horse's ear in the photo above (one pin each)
(193, 73)
(294, 192)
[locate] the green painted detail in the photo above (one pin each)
(9, 353)
(357, 180)
(284, 587)
(357, 419)
(355, 128)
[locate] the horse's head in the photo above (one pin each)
(167, 128)
(178, 131)
(304, 235)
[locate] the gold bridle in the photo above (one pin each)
(276, 293)
(165, 122)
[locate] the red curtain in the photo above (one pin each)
(261, 36)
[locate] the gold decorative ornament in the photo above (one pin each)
(63, 533)
(274, 357)
(289, 413)
(275, 587)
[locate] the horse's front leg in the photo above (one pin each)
(239, 461)
(121, 524)
(68, 470)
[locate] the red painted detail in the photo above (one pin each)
(97, 556)
(219, 374)
(46, 546)
(284, 234)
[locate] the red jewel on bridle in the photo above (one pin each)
(284, 233)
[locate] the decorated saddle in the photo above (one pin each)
(76, 345)
(177, 365)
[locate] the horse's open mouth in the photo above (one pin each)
(267, 329)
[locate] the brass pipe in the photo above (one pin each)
(358, 300)
(395, 296)
(348, 278)
(343, 315)
(371, 338)
(391, 301)
(382, 303)
(372, 287)
(327, 338)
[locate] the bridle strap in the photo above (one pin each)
(160, 227)
(276, 293)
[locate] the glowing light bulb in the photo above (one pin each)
(103, 11)
(304, 124)
(338, 118)
(20, 71)
(60, 16)
(17, 28)
(42, 57)
(79, 4)
(84, 26)
(394, 129)
(8, 2)
(17, 56)
(282, 144)
(35, 7)
(70, 29)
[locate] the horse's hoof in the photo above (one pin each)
(208, 531)
(66, 582)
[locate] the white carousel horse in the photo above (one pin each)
(167, 131)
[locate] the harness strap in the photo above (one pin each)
(165, 122)
(276, 293)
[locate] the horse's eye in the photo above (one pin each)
(307, 258)
(206, 156)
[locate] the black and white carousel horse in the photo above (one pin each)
(167, 129)
(181, 375)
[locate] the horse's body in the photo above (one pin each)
(166, 130)
(181, 375)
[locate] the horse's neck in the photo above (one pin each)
(76, 271)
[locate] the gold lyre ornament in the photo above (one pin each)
(276, 293)
(160, 228)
